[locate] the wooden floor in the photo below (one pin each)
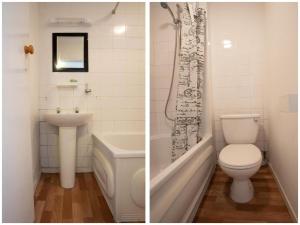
(266, 206)
(83, 203)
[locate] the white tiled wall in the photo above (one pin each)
(238, 72)
(162, 51)
(162, 56)
(116, 76)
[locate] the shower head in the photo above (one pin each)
(166, 6)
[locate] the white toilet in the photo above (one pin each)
(240, 159)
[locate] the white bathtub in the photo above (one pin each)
(119, 166)
(177, 188)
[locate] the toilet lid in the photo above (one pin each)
(240, 155)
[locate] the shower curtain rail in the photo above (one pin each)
(115, 8)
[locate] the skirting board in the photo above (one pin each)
(284, 196)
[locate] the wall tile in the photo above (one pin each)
(44, 162)
(130, 114)
(135, 31)
(52, 139)
(235, 81)
(116, 76)
(236, 73)
(43, 139)
(43, 151)
(83, 162)
(130, 126)
(66, 102)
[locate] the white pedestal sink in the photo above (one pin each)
(67, 123)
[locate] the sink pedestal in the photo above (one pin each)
(67, 123)
(67, 156)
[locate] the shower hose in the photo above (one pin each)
(177, 33)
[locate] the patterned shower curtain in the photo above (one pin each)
(189, 102)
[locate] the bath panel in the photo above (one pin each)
(177, 189)
(119, 166)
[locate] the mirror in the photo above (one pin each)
(70, 52)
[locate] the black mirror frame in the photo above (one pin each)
(85, 54)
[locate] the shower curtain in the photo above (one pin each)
(189, 102)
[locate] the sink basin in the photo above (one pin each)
(68, 119)
(67, 123)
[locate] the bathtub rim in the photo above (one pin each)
(157, 181)
(116, 151)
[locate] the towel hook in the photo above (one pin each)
(28, 49)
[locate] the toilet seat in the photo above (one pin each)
(240, 156)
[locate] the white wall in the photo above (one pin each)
(162, 53)
(237, 72)
(258, 74)
(33, 77)
(116, 76)
(19, 161)
(281, 41)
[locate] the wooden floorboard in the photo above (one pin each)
(83, 203)
(266, 206)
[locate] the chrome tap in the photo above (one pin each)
(58, 110)
(87, 89)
